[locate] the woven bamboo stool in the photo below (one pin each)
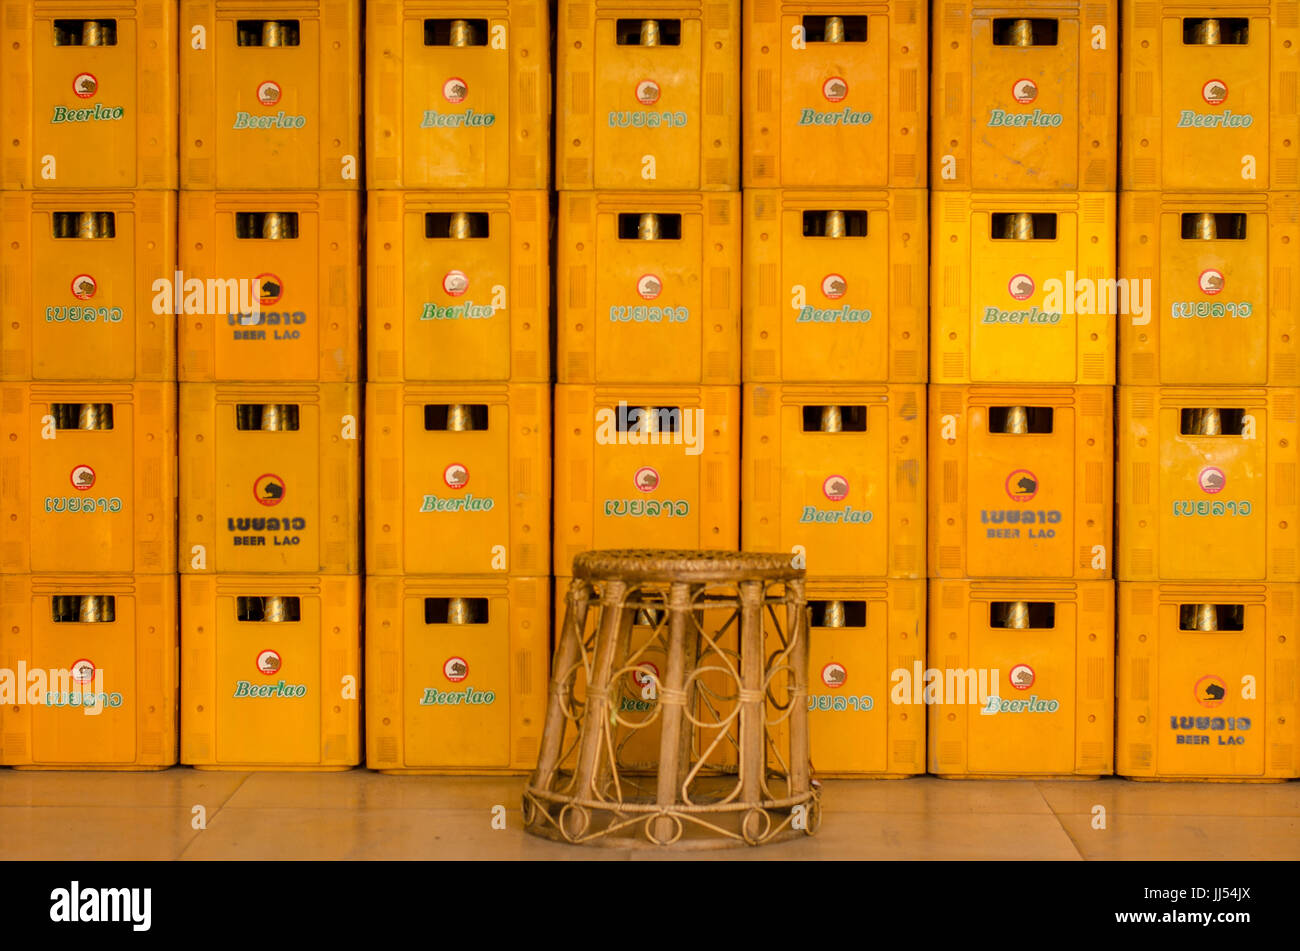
(730, 630)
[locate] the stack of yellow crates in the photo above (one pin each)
(1022, 372)
(648, 285)
(458, 404)
(269, 396)
(1208, 520)
(87, 387)
(834, 353)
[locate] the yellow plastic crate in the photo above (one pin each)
(1220, 309)
(1023, 681)
(271, 94)
(89, 478)
(1207, 683)
(631, 114)
(817, 91)
(1006, 309)
(458, 286)
(270, 672)
(458, 479)
(294, 256)
(1209, 116)
(1028, 96)
(862, 635)
(89, 101)
(635, 309)
(271, 476)
(459, 97)
(95, 662)
(1022, 484)
(835, 476)
(835, 286)
(456, 675)
(1198, 505)
(86, 277)
(619, 484)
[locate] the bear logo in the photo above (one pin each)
(1214, 92)
(455, 90)
(1211, 480)
(269, 489)
(455, 283)
(1022, 676)
(834, 286)
(835, 487)
(82, 478)
(646, 479)
(1211, 281)
(84, 287)
(834, 675)
(455, 669)
(1020, 286)
(1021, 485)
(1211, 691)
(835, 89)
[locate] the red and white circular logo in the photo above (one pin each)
(84, 287)
(269, 288)
(269, 489)
(268, 93)
(1021, 485)
(455, 669)
(269, 662)
(645, 673)
(83, 671)
(647, 92)
(456, 476)
(1210, 691)
(1020, 286)
(455, 90)
(455, 283)
(1024, 91)
(649, 286)
(646, 479)
(834, 286)
(85, 85)
(1210, 281)
(835, 89)
(1211, 480)
(834, 675)
(1214, 91)
(82, 478)
(1021, 676)
(835, 487)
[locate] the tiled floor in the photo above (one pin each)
(366, 815)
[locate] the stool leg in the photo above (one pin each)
(623, 647)
(672, 703)
(567, 651)
(752, 712)
(691, 655)
(797, 631)
(595, 719)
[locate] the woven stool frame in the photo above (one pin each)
(733, 628)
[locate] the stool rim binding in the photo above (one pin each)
(667, 565)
